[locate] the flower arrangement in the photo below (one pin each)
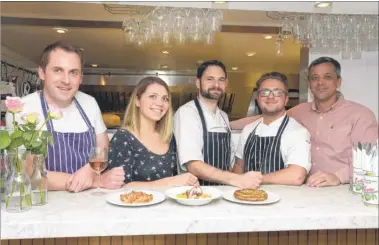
(25, 135)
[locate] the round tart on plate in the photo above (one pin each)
(251, 195)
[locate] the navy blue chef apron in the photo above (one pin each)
(263, 153)
(216, 147)
(70, 151)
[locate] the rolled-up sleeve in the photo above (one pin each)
(242, 141)
(189, 136)
(298, 149)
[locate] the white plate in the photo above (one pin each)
(271, 198)
(173, 192)
(114, 198)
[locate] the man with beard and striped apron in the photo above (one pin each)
(203, 134)
(275, 145)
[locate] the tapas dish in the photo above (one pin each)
(135, 198)
(193, 196)
(251, 196)
(194, 193)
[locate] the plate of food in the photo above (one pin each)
(251, 196)
(193, 196)
(133, 198)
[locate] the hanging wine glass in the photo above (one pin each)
(215, 18)
(279, 46)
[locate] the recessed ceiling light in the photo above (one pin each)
(323, 4)
(268, 37)
(94, 65)
(164, 66)
(250, 54)
(234, 68)
(61, 30)
(165, 52)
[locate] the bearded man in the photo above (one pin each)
(203, 135)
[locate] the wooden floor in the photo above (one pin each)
(321, 237)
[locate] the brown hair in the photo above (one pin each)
(273, 75)
(44, 59)
(132, 114)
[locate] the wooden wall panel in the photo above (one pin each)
(320, 237)
(233, 238)
(222, 239)
(342, 237)
(51, 241)
(191, 239)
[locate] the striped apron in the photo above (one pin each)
(70, 151)
(263, 153)
(216, 149)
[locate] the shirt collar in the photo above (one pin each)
(340, 99)
(275, 123)
(204, 107)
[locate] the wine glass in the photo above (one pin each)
(98, 160)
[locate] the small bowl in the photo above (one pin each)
(173, 192)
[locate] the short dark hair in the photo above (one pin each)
(44, 59)
(321, 60)
(201, 69)
(273, 75)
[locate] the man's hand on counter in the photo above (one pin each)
(81, 179)
(321, 179)
(112, 178)
(249, 179)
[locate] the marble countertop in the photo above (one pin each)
(81, 214)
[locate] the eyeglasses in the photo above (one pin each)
(275, 92)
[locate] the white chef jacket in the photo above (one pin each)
(294, 144)
(188, 131)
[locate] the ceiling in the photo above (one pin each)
(106, 47)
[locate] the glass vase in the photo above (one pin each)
(38, 181)
(18, 187)
(5, 173)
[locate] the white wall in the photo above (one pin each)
(359, 79)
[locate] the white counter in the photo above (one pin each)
(300, 208)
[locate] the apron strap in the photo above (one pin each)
(83, 114)
(49, 124)
(201, 117)
(45, 109)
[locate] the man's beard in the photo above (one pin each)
(207, 93)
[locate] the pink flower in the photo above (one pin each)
(31, 117)
(14, 104)
(55, 113)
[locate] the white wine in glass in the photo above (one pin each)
(98, 160)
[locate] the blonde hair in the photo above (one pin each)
(132, 115)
